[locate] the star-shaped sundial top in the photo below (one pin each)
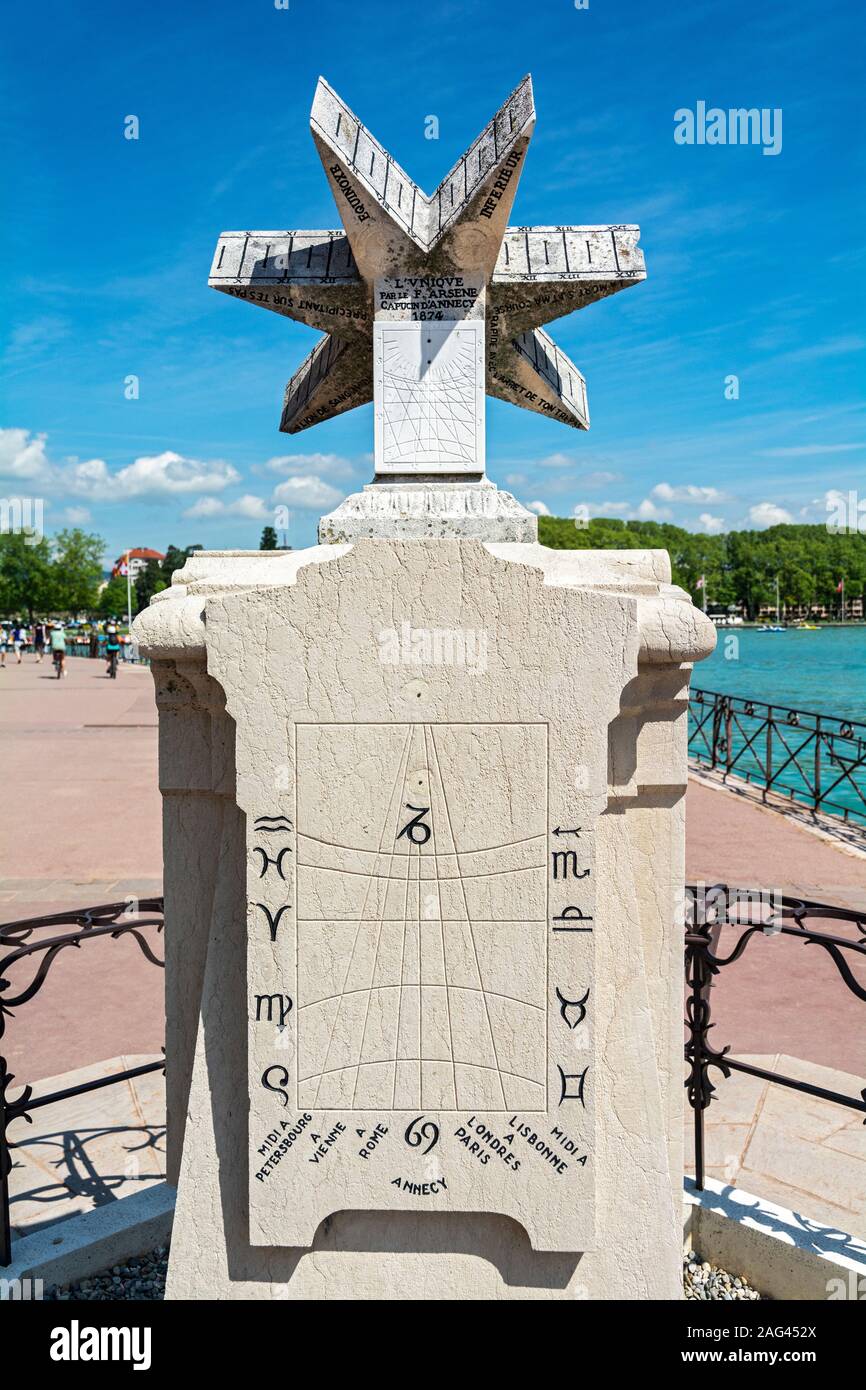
(428, 302)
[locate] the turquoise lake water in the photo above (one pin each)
(822, 672)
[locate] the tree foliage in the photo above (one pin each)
(58, 576)
(740, 566)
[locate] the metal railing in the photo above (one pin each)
(112, 920)
(707, 911)
(817, 760)
(756, 912)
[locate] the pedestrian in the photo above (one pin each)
(4, 643)
(19, 637)
(39, 640)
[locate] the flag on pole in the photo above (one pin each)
(840, 586)
(701, 582)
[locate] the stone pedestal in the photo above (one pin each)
(423, 870)
(415, 511)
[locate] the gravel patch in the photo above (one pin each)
(702, 1280)
(142, 1278)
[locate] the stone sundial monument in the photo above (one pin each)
(428, 305)
(423, 800)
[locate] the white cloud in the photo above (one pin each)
(648, 511)
(688, 492)
(712, 524)
(799, 451)
(205, 507)
(600, 478)
(557, 460)
(307, 493)
(23, 456)
(76, 516)
(157, 475)
(768, 514)
(333, 465)
(249, 506)
(585, 509)
(539, 508)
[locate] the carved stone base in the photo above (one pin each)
(429, 510)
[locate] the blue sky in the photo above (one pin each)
(755, 262)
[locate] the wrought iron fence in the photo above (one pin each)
(706, 911)
(755, 911)
(817, 760)
(112, 920)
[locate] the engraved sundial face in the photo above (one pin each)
(422, 947)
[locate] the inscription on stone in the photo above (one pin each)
(415, 1021)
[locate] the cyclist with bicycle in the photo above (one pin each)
(58, 649)
(112, 649)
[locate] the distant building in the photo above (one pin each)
(138, 560)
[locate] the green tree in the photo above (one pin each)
(148, 582)
(269, 539)
(175, 559)
(27, 580)
(112, 600)
(77, 569)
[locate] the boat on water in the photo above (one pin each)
(771, 627)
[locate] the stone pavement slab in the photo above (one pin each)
(806, 1153)
(89, 1149)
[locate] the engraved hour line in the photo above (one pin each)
(373, 977)
(468, 989)
(401, 773)
(481, 1066)
(464, 853)
(442, 930)
(468, 919)
(397, 1057)
(409, 857)
(394, 789)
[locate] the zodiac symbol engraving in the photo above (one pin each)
(273, 918)
(572, 914)
(417, 823)
(566, 1004)
(579, 1077)
(415, 1136)
(278, 1090)
(272, 825)
(283, 1002)
(276, 860)
(566, 859)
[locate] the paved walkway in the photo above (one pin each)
(92, 1149)
(807, 1154)
(82, 825)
